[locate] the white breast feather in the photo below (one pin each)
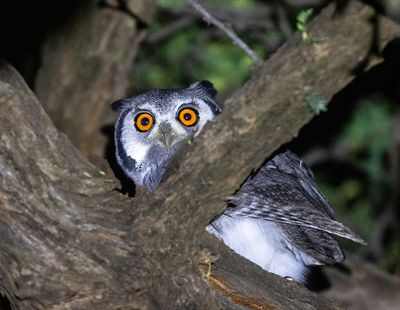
(136, 150)
(262, 243)
(133, 148)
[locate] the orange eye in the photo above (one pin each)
(144, 121)
(188, 117)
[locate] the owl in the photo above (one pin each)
(281, 222)
(278, 219)
(152, 126)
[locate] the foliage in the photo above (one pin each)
(317, 102)
(368, 134)
(191, 55)
(301, 21)
(178, 63)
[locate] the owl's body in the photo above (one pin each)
(280, 221)
(152, 126)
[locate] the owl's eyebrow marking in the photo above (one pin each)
(145, 106)
(213, 106)
(188, 103)
(144, 110)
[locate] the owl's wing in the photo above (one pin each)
(284, 191)
(318, 245)
(295, 172)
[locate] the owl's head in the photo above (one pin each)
(152, 126)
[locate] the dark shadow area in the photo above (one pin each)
(4, 303)
(318, 281)
(127, 185)
(23, 27)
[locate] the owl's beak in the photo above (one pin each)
(167, 136)
(167, 140)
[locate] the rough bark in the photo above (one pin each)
(85, 67)
(70, 241)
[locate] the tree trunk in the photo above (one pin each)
(69, 240)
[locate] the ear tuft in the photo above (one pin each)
(117, 105)
(206, 87)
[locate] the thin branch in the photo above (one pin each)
(229, 32)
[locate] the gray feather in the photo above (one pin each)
(317, 244)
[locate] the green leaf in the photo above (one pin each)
(317, 103)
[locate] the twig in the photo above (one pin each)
(229, 32)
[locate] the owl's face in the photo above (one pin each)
(152, 126)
